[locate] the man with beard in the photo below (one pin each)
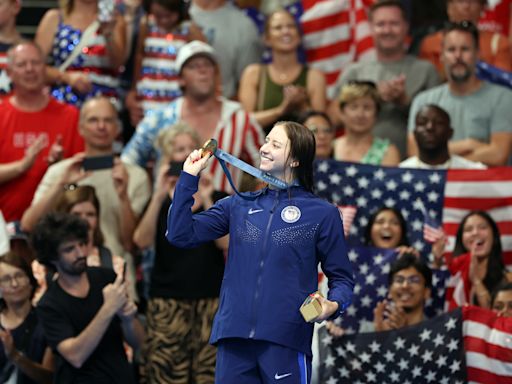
(398, 76)
(480, 111)
(410, 285)
(86, 310)
(432, 132)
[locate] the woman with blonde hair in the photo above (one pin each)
(185, 283)
(359, 106)
(86, 43)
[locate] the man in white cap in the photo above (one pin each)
(200, 107)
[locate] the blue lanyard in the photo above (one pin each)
(225, 157)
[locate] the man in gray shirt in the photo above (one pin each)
(233, 36)
(480, 112)
(398, 76)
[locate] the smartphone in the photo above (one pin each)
(175, 168)
(95, 163)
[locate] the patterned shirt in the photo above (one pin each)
(236, 133)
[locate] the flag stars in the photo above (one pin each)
(365, 357)
(351, 311)
(407, 177)
(356, 365)
(427, 356)
(350, 347)
(351, 171)
(366, 301)
(323, 167)
(414, 350)
(441, 361)
(451, 324)
(439, 340)
(374, 346)
(363, 269)
(327, 340)
(348, 191)
(425, 335)
(341, 352)
(405, 195)
(391, 185)
(455, 366)
(433, 196)
(416, 372)
(363, 182)
(403, 364)
(389, 356)
(417, 225)
(344, 372)
(357, 289)
(419, 187)
(332, 380)
(399, 343)
(431, 376)
(321, 186)
(379, 174)
(378, 259)
(329, 360)
(389, 202)
(371, 377)
(453, 345)
(435, 178)
(376, 193)
(380, 367)
(370, 279)
(335, 178)
(362, 201)
(382, 291)
(394, 376)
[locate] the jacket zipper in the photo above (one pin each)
(260, 268)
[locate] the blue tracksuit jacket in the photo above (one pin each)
(276, 242)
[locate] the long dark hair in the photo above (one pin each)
(302, 149)
(13, 259)
(373, 217)
(495, 265)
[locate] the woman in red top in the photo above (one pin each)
(476, 266)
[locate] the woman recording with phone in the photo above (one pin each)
(185, 283)
(277, 238)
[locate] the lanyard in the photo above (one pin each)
(225, 157)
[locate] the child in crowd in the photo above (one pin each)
(161, 34)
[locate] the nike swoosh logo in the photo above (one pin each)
(279, 377)
(251, 211)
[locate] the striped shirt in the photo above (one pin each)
(236, 133)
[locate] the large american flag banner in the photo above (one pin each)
(469, 344)
(430, 352)
(371, 268)
(336, 33)
(442, 196)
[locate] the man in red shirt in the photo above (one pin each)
(35, 129)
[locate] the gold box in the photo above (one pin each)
(311, 308)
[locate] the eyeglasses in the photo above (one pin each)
(20, 277)
(411, 280)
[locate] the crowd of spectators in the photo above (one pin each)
(99, 110)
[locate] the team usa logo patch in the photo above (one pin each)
(290, 214)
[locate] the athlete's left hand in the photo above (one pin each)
(328, 308)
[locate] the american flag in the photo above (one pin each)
(488, 346)
(430, 352)
(445, 196)
(371, 268)
(336, 33)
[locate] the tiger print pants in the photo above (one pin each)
(176, 350)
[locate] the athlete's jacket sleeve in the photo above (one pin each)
(187, 230)
(332, 252)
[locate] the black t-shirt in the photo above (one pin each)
(64, 316)
(185, 273)
(29, 339)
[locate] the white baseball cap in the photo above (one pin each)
(192, 49)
